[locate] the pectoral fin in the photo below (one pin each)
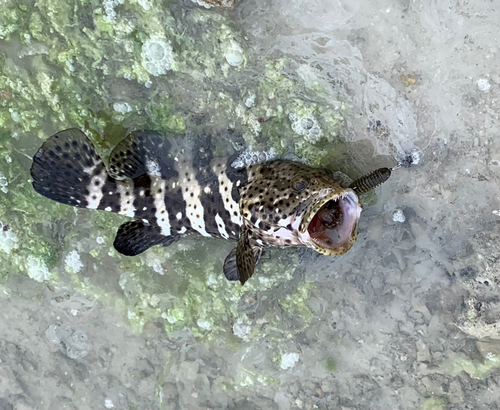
(134, 237)
(241, 261)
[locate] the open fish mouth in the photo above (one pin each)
(332, 223)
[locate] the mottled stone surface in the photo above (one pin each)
(407, 319)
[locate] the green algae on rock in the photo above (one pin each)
(109, 69)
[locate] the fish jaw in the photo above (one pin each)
(335, 240)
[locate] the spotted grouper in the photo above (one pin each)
(275, 203)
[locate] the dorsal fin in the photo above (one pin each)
(135, 237)
(142, 152)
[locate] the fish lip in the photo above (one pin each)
(320, 246)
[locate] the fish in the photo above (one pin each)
(170, 194)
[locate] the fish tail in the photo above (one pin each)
(67, 169)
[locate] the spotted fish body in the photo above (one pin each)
(169, 195)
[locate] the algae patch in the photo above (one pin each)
(114, 66)
(475, 369)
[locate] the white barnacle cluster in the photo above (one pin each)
(308, 126)
(73, 262)
(153, 168)
(122, 107)
(250, 101)
(241, 330)
(398, 216)
(204, 324)
(249, 157)
(8, 239)
(3, 183)
(109, 9)
(157, 56)
(37, 269)
(483, 85)
(234, 54)
(289, 360)
(156, 264)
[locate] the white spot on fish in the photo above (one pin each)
(284, 234)
(89, 170)
(259, 241)
(207, 190)
(145, 208)
(125, 186)
(145, 221)
(229, 204)
(95, 191)
(162, 218)
(110, 192)
(182, 230)
(221, 226)
(179, 215)
(191, 194)
(284, 222)
(108, 208)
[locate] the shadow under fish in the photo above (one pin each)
(274, 203)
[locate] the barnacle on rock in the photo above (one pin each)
(306, 126)
(234, 54)
(157, 56)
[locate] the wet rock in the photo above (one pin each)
(423, 353)
(8, 383)
(456, 392)
(481, 308)
(189, 370)
(432, 386)
(488, 350)
(282, 401)
(4, 404)
(73, 343)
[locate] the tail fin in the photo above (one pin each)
(68, 170)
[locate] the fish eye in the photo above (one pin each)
(299, 185)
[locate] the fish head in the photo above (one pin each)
(287, 203)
